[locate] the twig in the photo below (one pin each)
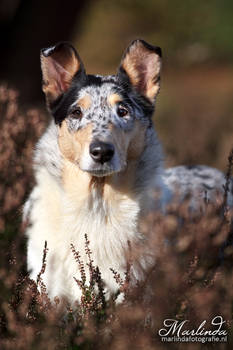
(43, 267)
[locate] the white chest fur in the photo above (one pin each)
(62, 215)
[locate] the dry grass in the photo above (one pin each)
(192, 278)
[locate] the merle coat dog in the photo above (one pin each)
(99, 167)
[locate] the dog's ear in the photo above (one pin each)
(59, 64)
(141, 64)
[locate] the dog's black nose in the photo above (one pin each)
(101, 152)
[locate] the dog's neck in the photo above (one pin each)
(81, 187)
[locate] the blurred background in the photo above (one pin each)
(194, 109)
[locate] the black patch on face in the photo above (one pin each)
(93, 80)
(60, 107)
(62, 104)
(126, 89)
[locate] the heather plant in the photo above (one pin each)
(93, 295)
(191, 278)
(18, 134)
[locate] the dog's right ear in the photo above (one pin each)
(59, 64)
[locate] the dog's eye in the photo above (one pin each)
(122, 111)
(76, 113)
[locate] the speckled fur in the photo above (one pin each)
(200, 183)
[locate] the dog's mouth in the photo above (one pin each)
(101, 169)
(101, 172)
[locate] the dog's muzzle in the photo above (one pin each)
(102, 159)
(101, 152)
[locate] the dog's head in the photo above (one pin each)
(102, 121)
